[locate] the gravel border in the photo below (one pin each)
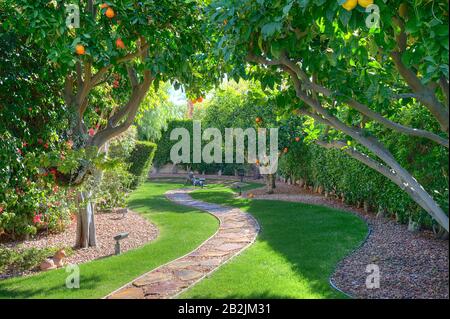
(413, 265)
(108, 224)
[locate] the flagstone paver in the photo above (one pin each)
(237, 231)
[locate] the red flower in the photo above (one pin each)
(37, 218)
(91, 132)
(46, 145)
(53, 171)
(24, 144)
(19, 151)
(1, 210)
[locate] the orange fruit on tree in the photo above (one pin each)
(257, 162)
(120, 44)
(349, 5)
(285, 150)
(258, 120)
(110, 13)
(297, 139)
(365, 3)
(200, 100)
(103, 6)
(79, 49)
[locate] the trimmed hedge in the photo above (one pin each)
(141, 159)
(342, 176)
(162, 154)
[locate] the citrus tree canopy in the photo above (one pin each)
(349, 67)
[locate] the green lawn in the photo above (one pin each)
(294, 255)
(292, 258)
(181, 230)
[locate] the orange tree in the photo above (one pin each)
(129, 45)
(351, 71)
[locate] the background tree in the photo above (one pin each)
(350, 78)
(156, 111)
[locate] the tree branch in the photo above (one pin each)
(443, 83)
(425, 94)
(395, 126)
(98, 76)
(129, 110)
(363, 158)
(364, 109)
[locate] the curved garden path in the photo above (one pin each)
(237, 231)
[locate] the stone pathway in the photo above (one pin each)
(237, 231)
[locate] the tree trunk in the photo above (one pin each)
(86, 236)
(270, 183)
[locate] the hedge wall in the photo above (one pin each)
(339, 174)
(162, 155)
(141, 159)
(164, 145)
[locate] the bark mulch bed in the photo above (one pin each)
(140, 230)
(412, 265)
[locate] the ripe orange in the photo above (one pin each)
(120, 44)
(80, 50)
(200, 100)
(297, 139)
(257, 162)
(103, 6)
(349, 5)
(110, 13)
(258, 120)
(365, 3)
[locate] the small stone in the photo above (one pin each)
(230, 247)
(128, 293)
(214, 253)
(151, 278)
(162, 288)
(183, 264)
(187, 275)
(211, 262)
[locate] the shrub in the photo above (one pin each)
(121, 146)
(141, 159)
(20, 259)
(114, 187)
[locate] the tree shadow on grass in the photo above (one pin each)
(311, 239)
(21, 289)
